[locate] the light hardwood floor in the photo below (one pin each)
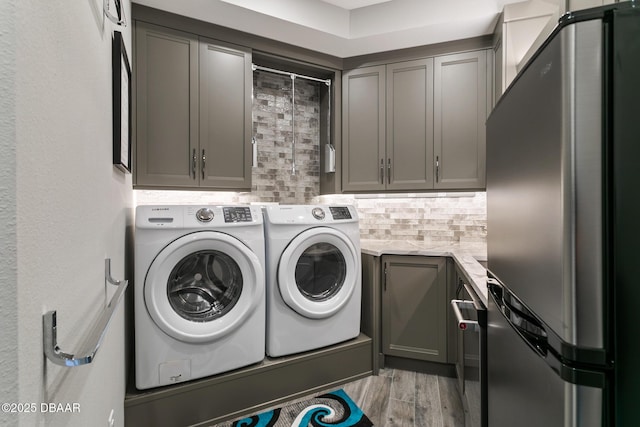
(408, 399)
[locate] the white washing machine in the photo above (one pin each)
(314, 277)
(199, 291)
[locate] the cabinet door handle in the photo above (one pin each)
(204, 163)
(194, 159)
(464, 324)
(385, 278)
(389, 170)
(381, 171)
(437, 168)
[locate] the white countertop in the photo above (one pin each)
(466, 256)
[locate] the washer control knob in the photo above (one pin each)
(204, 215)
(317, 213)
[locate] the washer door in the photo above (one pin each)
(318, 272)
(202, 286)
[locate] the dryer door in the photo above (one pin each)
(202, 286)
(318, 272)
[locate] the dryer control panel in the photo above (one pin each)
(310, 214)
(340, 212)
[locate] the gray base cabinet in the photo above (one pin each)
(371, 306)
(414, 303)
(192, 111)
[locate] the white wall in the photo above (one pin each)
(69, 211)
(8, 241)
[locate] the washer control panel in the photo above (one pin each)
(237, 214)
(340, 212)
(204, 215)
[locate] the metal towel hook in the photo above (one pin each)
(107, 273)
(90, 347)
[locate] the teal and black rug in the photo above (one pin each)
(334, 409)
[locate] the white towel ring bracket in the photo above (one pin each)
(88, 350)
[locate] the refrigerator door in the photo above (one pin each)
(523, 389)
(544, 186)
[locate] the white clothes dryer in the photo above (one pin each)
(314, 277)
(199, 292)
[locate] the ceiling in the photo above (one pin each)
(346, 28)
(353, 4)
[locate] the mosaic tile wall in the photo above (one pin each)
(437, 217)
(272, 126)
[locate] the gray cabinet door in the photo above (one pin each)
(414, 307)
(363, 131)
(166, 69)
(460, 112)
(410, 125)
(225, 116)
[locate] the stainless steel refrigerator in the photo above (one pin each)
(563, 213)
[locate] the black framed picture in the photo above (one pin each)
(121, 104)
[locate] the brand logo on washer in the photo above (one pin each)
(159, 209)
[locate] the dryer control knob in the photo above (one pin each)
(317, 213)
(204, 215)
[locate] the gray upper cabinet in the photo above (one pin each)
(388, 127)
(434, 111)
(166, 72)
(460, 97)
(225, 116)
(409, 145)
(363, 129)
(193, 111)
(414, 300)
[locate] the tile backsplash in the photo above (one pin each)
(435, 217)
(432, 217)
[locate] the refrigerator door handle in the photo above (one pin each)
(525, 324)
